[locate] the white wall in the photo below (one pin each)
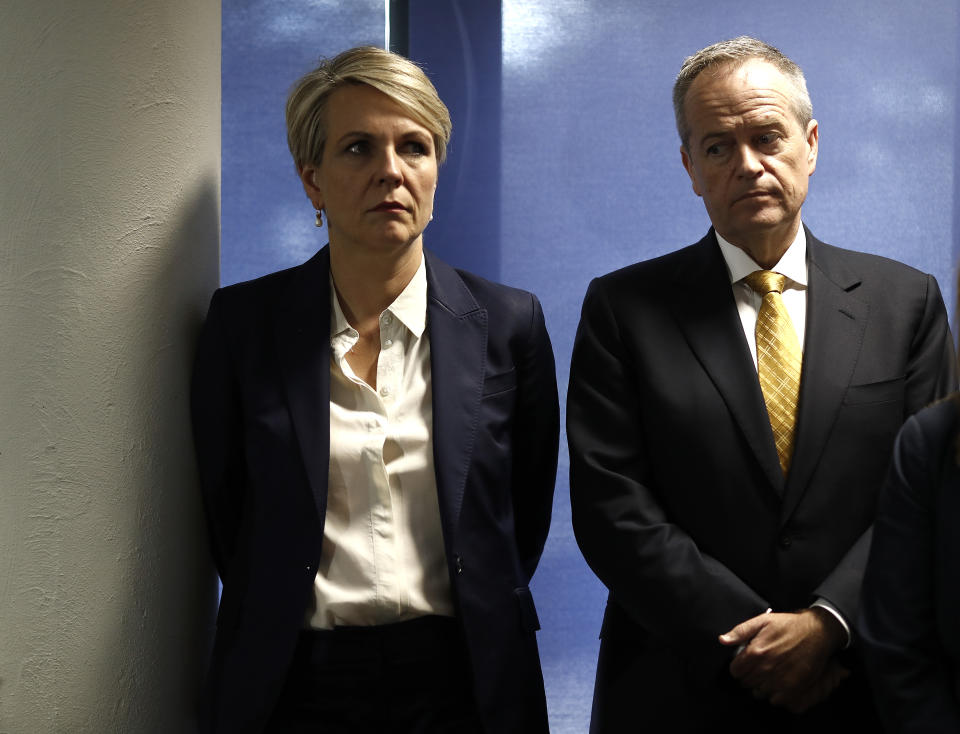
(109, 198)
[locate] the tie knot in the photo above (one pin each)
(766, 281)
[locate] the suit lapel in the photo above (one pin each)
(836, 320)
(715, 335)
(302, 329)
(458, 347)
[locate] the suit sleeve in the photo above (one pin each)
(215, 412)
(652, 567)
(932, 367)
(931, 373)
(898, 619)
(535, 442)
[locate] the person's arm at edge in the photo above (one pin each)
(536, 435)
(910, 676)
(216, 421)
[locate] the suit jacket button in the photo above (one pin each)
(459, 564)
(785, 541)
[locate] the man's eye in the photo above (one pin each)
(357, 148)
(714, 149)
(768, 138)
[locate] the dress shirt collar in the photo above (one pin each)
(793, 264)
(410, 307)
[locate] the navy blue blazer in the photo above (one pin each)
(910, 613)
(260, 405)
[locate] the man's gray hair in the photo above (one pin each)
(733, 54)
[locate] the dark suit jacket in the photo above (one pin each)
(260, 402)
(910, 614)
(679, 503)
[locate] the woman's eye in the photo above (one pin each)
(415, 148)
(358, 147)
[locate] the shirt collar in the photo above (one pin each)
(410, 307)
(793, 264)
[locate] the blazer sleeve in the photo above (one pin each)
(931, 374)
(911, 675)
(215, 412)
(654, 570)
(535, 441)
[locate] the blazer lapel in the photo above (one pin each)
(458, 347)
(836, 320)
(302, 331)
(707, 314)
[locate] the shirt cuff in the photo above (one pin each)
(824, 604)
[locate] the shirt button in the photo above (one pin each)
(388, 342)
(387, 319)
(384, 391)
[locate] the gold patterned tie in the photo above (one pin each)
(779, 358)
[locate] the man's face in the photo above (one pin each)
(747, 156)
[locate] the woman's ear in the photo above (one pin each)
(309, 176)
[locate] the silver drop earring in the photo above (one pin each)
(319, 221)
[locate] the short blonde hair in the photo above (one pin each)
(393, 75)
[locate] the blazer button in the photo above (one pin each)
(785, 541)
(458, 561)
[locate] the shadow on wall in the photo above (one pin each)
(168, 615)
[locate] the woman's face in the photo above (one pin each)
(378, 173)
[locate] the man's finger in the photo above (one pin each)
(743, 632)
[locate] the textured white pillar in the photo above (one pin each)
(109, 197)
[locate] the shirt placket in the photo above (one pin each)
(389, 373)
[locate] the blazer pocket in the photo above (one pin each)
(886, 391)
(498, 383)
(529, 621)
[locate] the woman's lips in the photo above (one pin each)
(389, 206)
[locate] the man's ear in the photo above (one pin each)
(813, 143)
(309, 176)
(688, 166)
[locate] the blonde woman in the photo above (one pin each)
(377, 439)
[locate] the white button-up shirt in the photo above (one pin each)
(793, 264)
(383, 558)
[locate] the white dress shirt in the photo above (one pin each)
(792, 264)
(382, 558)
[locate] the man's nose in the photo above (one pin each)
(748, 162)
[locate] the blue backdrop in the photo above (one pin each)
(565, 164)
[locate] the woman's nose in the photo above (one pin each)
(390, 171)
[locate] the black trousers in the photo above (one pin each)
(406, 678)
